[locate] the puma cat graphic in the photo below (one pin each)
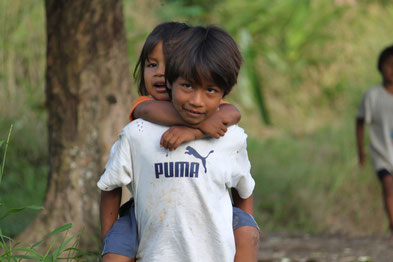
(193, 152)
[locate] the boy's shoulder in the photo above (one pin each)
(236, 130)
(234, 137)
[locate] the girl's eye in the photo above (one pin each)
(151, 65)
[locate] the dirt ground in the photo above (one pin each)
(325, 248)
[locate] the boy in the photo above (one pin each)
(182, 206)
(376, 110)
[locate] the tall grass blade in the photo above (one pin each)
(49, 249)
(54, 232)
(5, 153)
(61, 248)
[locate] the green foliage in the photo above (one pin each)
(22, 56)
(59, 248)
(311, 183)
(25, 175)
(253, 77)
(283, 34)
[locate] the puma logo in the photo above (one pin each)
(193, 152)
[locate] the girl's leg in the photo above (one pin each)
(247, 244)
(246, 232)
(111, 257)
(121, 242)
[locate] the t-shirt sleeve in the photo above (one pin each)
(224, 102)
(118, 169)
(240, 177)
(364, 111)
(136, 103)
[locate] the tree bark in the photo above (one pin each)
(88, 97)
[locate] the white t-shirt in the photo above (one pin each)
(182, 205)
(377, 111)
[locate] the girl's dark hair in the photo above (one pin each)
(204, 52)
(163, 32)
(385, 54)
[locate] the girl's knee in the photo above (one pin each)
(111, 257)
(247, 235)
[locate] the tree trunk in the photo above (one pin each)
(88, 98)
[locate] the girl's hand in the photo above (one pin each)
(176, 135)
(215, 126)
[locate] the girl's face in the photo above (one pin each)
(154, 74)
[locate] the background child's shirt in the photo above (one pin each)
(376, 109)
(139, 100)
(182, 205)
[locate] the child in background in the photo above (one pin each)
(376, 109)
(182, 205)
(156, 108)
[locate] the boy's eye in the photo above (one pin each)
(187, 85)
(211, 90)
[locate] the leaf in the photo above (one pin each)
(29, 250)
(19, 209)
(60, 229)
(27, 257)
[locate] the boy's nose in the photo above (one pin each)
(196, 99)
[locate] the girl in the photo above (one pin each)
(121, 242)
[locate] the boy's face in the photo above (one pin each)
(153, 74)
(387, 70)
(194, 102)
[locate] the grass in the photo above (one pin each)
(61, 247)
(26, 170)
(312, 183)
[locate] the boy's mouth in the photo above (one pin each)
(193, 113)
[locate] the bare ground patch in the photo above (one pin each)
(325, 248)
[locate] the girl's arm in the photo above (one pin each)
(163, 113)
(177, 135)
(216, 125)
(109, 209)
(159, 112)
(359, 141)
(247, 205)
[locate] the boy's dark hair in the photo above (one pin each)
(162, 32)
(207, 52)
(385, 54)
